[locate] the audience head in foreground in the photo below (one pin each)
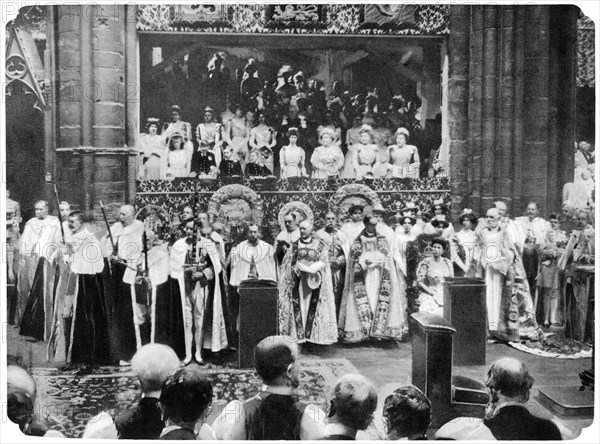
(407, 413)
(184, 400)
(353, 401)
(152, 364)
(275, 361)
(507, 415)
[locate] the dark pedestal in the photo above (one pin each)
(568, 401)
(465, 309)
(580, 305)
(432, 363)
(258, 317)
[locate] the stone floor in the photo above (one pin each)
(388, 365)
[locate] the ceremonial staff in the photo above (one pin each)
(62, 229)
(112, 242)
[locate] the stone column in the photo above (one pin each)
(92, 115)
(508, 65)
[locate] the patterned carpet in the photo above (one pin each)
(66, 402)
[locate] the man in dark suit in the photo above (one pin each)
(152, 364)
(351, 408)
(507, 416)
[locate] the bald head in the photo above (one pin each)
(272, 357)
(19, 378)
(501, 207)
(354, 399)
(510, 378)
(126, 214)
(306, 229)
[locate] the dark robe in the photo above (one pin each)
(90, 342)
(516, 423)
(123, 340)
(169, 327)
(33, 322)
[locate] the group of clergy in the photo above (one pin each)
(98, 298)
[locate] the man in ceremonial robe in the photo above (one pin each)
(40, 243)
(338, 248)
(13, 220)
(532, 233)
(354, 227)
(124, 260)
(197, 267)
(60, 332)
(88, 343)
(372, 305)
(250, 259)
(306, 302)
(509, 303)
(151, 284)
(286, 238)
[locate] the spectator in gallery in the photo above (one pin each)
(185, 398)
(353, 402)
(274, 413)
(352, 144)
(263, 139)
(230, 166)
(256, 168)
(292, 157)
(178, 159)
(331, 124)
(327, 159)
(184, 129)
(204, 164)
(407, 414)
(404, 158)
(152, 364)
(251, 84)
(585, 157)
(365, 154)
(209, 133)
(237, 134)
(152, 150)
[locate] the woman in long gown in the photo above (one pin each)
(365, 154)
(262, 141)
(404, 158)
(431, 273)
(153, 151)
(292, 157)
(468, 239)
(237, 134)
(327, 159)
(184, 129)
(178, 160)
(352, 139)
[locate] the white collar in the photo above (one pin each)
(335, 428)
(277, 390)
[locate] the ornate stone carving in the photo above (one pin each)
(352, 194)
(236, 205)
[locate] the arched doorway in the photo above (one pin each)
(24, 147)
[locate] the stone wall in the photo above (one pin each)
(510, 94)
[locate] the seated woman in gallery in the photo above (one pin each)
(292, 157)
(365, 154)
(153, 151)
(327, 159)
(255, 167)
(404, 158)
(431, 273)
(330, 123)
(263, 139)
(236, 135)
(178, 159)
